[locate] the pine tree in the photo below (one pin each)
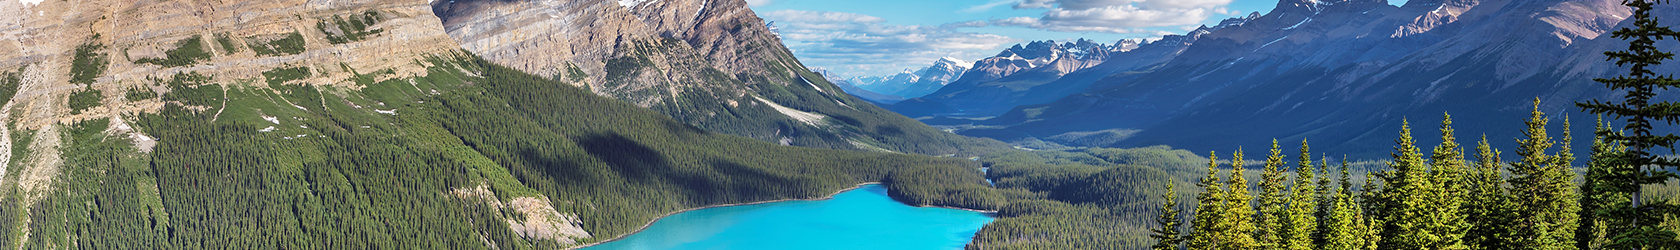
(1488, 208)
(1326, 201)
(1641, 84)
(1408, 209)
(1546, 209)
(1273, 201)
(1300, 223)
(1372, 230)
(1239, 211)
(1166, 234)
(1446, 174)
(1598, 194)
(1345, 230)
(1206, 224)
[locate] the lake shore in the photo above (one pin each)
(987, 212)
(661, 217)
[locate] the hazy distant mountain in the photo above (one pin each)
(850, 88)
(1343, 73)
(915, 83)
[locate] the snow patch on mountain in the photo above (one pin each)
(633, 3)
(1303, 21)
(802, 116)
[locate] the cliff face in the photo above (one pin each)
(42, 39)
(677, 40)
(711, 63)
(129, 45)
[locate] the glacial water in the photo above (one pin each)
(863, 218)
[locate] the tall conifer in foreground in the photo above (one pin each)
(1446, 174)
(1273, 201)
(1641, 84)
(1407, 203)
(1300, 223)
(1345, 229)
(1540, 184)
(1239, 211)
(1207, 225)
(1326, 201)
(1166, 233)
(1598, 194)
(1489, 211)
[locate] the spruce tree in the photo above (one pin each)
(1239, 210)
(1409, 210)
(1371, 228)
(1300, 222)
(1345, 231)
(1544, 198)
(1446, 175)
(1326, 201)
(1598, 194)
(1488, 208)
(1640, 84)
(1166, 233)
(1273, 201)
(1206, 225)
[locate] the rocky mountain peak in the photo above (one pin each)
(1236, 21)
(951, 63)
(1126, 45)
(1033, 50)
(1306, 7)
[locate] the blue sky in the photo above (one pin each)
(882, 37)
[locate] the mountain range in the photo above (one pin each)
(1343, 73)
(914, 83)
(1021, 74)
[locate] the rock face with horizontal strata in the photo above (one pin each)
(39, 39)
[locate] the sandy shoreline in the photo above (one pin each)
(650, 223)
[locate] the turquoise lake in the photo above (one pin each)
(863, 218)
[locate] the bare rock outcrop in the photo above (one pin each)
(64, 47)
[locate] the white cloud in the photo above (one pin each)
(989, 6)
(1113, 16)
(826, 17)
(758, 3)
(852, 44)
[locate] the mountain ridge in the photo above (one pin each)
(1348, 72)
